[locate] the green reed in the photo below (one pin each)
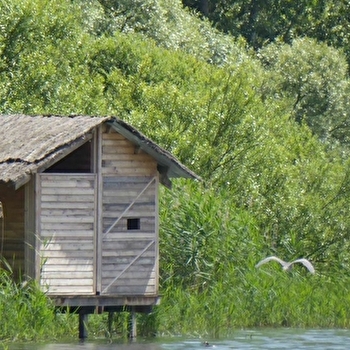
(26, 313)
(256, 299)
(209, 282)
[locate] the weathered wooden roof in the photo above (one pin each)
(30, 144)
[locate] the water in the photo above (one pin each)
(292, 339)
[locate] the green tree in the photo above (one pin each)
(42, 54)
(261, 22)
(312, 77)
(332, 26)
(173, 27)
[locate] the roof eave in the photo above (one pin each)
(166, 161)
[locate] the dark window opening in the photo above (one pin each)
(133, 224)
(79, 161)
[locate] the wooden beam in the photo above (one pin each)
(133, 326)
(104, 300)
(98, 211)
(110, 322)
(83, 319)
(163, 176)
(30, 236)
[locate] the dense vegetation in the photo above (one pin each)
(254, 98)
(27, 314)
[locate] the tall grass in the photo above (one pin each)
(258, 299)
(27, 314)
(210, 285)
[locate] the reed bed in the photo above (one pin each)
(26, 314)
(262, 299)
(210, 284)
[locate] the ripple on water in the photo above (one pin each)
(254, 339)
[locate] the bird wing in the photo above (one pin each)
(306, 263)
(274, 258)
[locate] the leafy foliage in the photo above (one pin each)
(313, 77)
(172, 27)
(262, 22)
(203, 233)
(267, 131)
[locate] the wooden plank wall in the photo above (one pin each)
(12, 239)
(31, 248)
(129, 257)
(67, 225)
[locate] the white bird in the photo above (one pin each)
(287, 265)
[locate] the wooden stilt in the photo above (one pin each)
(133, 326)
(110, 322)
(83, 318)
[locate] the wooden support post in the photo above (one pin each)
(110, 322)
(133, 326)
(83, 318)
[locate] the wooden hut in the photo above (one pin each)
(79, 214)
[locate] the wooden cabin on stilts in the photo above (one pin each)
(79, 210)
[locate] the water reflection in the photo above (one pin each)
(89, 345)
(292, 339)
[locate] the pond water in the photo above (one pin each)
(278, 338)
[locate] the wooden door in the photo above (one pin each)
(66, 225)
(129, 264)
